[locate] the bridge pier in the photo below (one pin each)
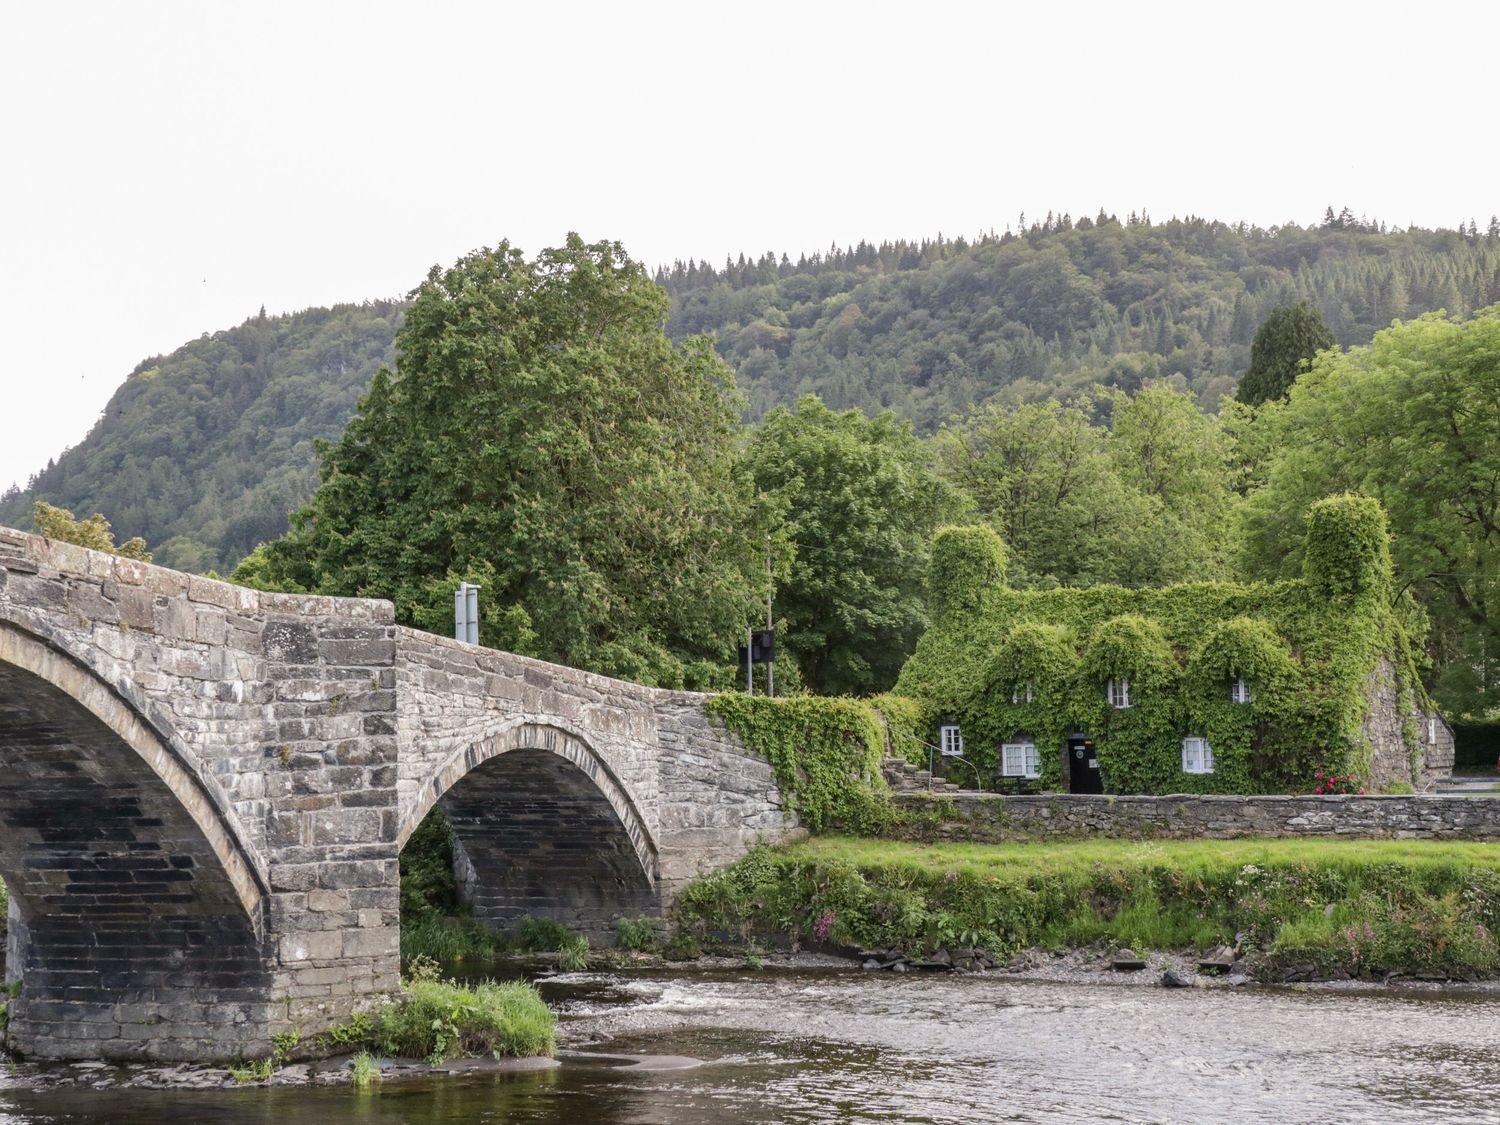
(204, 791)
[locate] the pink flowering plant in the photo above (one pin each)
(1328, 783)
(823, 927)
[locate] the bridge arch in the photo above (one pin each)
(138, 913)
(542, 827)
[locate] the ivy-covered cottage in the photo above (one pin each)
(1203, 687)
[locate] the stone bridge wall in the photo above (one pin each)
(998, 818)
(279, 711)
(293, 743)
(688, 793)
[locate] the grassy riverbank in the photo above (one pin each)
(1356, 907)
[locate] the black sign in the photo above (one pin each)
(763, 646)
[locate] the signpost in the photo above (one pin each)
(466, 613)
(761, 649)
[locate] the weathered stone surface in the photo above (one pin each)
(996, 818)
(204, 791)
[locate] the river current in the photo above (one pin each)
(823, 1046)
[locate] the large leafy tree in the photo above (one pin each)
(1410, 420)
(544, 437)
(860, 503)
(1078, 502)
(1283, 347)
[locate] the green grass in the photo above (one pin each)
(441, 1020)
(1185, 856)
(450, 939)
(1361, 906)
(573, 954)
(366, 1073)
(637, 935)
(459, 939)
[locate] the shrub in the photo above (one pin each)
(637, 935)
(539, 935)
(573, 954)
(441, 1020)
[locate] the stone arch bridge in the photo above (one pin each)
(204, 790)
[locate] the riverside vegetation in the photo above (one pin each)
(433, 1020)
(1310, 909)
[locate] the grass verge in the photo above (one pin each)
(1361, 907)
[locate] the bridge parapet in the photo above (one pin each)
(284, 747)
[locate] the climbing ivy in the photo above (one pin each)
(965, 562)
(908, 726)
(1307, 648)
(826, 754)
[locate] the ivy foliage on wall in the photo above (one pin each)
(826, 753)
(1306, 649)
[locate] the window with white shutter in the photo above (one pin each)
(1239, 692)
(1118, 692)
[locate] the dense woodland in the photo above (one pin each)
(931, 328)
(204, 452)
(1069, 386)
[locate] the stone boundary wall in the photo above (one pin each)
(999, 818)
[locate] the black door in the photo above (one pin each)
(1083, 766)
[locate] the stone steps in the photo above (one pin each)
(905, 777)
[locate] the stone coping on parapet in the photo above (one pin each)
(52, 555)
(408, 636)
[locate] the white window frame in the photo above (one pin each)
(1197, 755)
(1117, 691)
(1239, 692)
(1022, 693)
(951, 740)
(1022, 757)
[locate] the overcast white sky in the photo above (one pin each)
(170, 167)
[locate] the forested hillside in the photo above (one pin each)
(205, 451)
(931, 328)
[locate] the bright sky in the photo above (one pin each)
(171, 167)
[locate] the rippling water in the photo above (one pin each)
(842, 1046)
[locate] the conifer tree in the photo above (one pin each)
(1283, 347)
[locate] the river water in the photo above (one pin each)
(816, 1046)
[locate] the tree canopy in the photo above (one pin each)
(1137, 502)
(1283, 347)
(94, 532)
(542, 436)
(860, 502)
(1410, 420)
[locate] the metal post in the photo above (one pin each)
(770, 622)
(749, 661)
(466, 613)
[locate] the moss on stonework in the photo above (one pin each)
(825, 752)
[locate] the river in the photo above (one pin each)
(815, 1046)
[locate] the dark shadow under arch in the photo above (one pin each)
(137, 923)
(543, 828)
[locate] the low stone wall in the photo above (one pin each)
(997, 818)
